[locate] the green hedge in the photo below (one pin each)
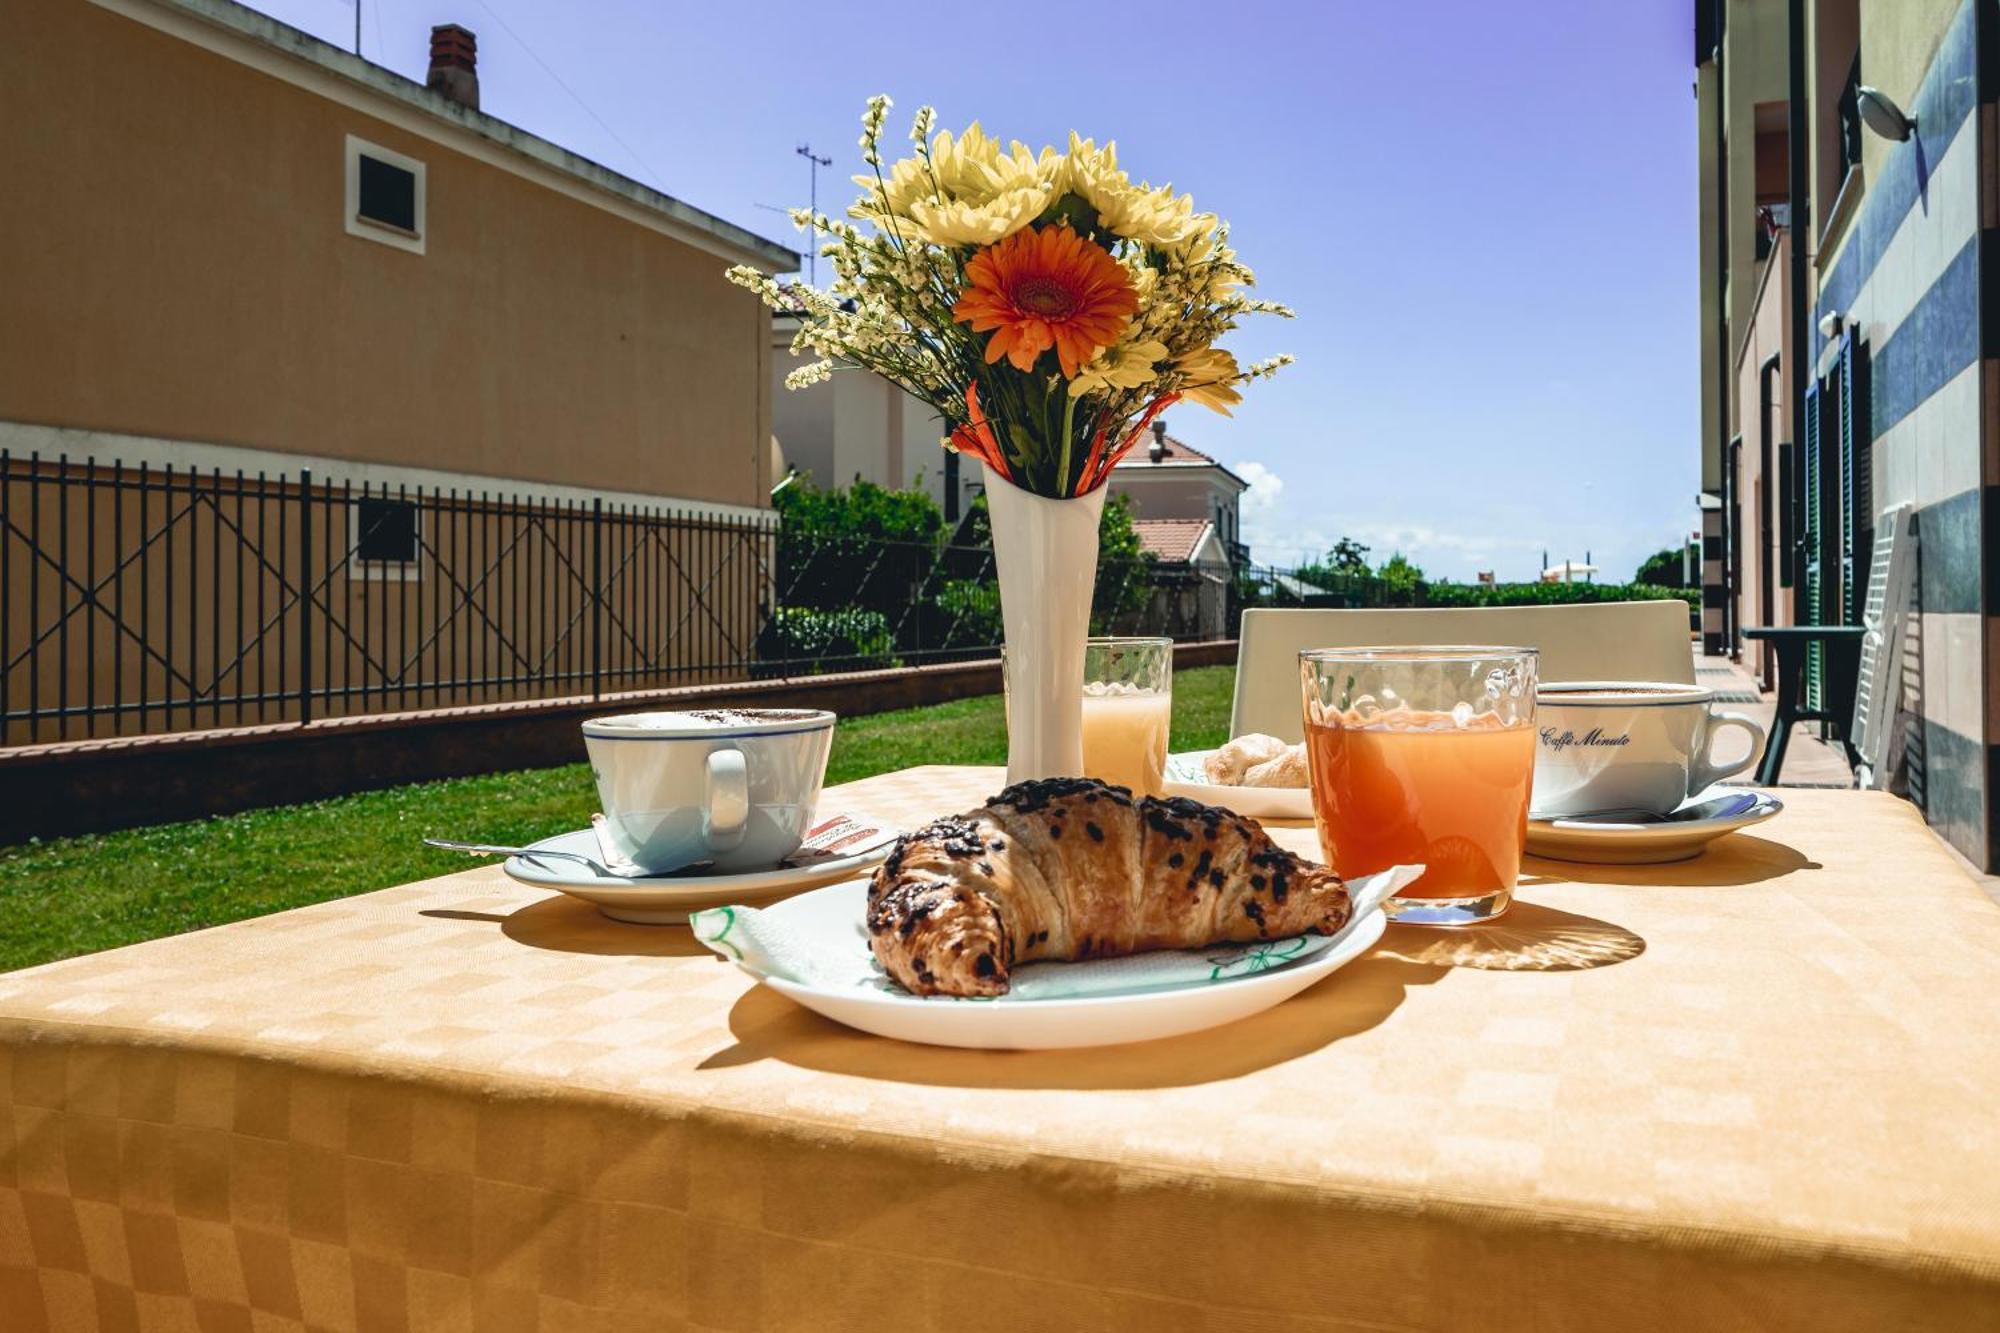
(1546, 594)
(846, 640)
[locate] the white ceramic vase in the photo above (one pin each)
(1047, 554)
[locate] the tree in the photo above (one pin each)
(1346, 562)
(1348, 557)
(1399, 577)
(1124, 565)
(862, 510)
(1667, 569)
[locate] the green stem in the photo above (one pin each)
(1069, 412)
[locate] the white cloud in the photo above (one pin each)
(1441, 551)
(1285, 526)
(1261, 500)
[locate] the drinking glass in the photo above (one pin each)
(1128, 705)
(1424, 755)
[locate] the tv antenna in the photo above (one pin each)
(805, 151)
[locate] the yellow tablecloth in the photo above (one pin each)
(1757, 1090)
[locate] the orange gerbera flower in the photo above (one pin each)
(1037, 289)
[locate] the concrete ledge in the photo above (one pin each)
(57, 790)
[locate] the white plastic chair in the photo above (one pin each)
(1589, 641)
(1878, 689)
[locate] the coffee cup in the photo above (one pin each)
(733, 786)
(1619, 745)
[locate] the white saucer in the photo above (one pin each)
(666, 900)
(1186, 777)
(836, 915)
(1623, 840)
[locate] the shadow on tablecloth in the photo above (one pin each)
(1354, 999)
(1737, 859)
(572, 926)
(1529, 938)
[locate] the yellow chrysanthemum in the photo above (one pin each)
(1138, 212)
(942, 200)
(963, 223)
(1211, 379)
(1125, 367)
(1084, 169)
(1152, 217)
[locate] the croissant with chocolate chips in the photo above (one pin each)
(1072, 868)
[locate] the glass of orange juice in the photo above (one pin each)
(1424, 755)
(1128, 708)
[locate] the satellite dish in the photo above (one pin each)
(1882, 114)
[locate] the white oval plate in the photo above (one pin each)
(666, 900)
(1681, 836)
(1186, 777)
(836, 914)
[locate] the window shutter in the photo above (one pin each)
(1856, 475)
(1815, 666)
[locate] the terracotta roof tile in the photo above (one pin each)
(1171, 539)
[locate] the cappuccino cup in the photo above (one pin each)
(1621, 745)
(732, 786)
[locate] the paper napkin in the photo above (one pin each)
(832, 837)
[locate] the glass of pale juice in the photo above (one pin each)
(1424, 756)
(1128, 708)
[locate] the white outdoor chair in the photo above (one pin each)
(1589, 641)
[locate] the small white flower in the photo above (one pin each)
(813, 372)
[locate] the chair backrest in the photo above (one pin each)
(1589, 641)
(1878, 690)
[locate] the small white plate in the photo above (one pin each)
(1186, 777)
(1624, 841)
(666, 900)
(836, 914)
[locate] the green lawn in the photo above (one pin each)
(78, 895)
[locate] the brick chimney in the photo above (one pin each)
(1158, 451)
(454, 64)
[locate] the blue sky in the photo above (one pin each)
(1484, 214)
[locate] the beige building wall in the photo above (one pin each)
(1764, 332)
(857, 424)
(1708, 209)
(1898, 42)
(1167, 492)
(181, 270)
(1753, 72)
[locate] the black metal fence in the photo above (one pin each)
(136, 600)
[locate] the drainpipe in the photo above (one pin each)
(1766, 586)
(1801, 311)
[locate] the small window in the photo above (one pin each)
(385, 196)
(388, 195)
(384, 538)
(1850, 118)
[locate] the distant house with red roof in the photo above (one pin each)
(1185, 511)
(1184, 503)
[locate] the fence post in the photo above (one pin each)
(597, 597)
(305, 594)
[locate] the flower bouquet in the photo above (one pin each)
(1048, 308)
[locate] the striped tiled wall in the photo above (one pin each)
(1909, 283)
(1713, 591)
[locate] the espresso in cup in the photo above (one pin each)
(1629, 746)
(733, 786)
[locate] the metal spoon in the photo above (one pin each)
(535, 853)
(526, 853)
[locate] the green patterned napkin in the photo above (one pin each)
(764, 944)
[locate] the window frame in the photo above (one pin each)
(385, 571)
(383, 233)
